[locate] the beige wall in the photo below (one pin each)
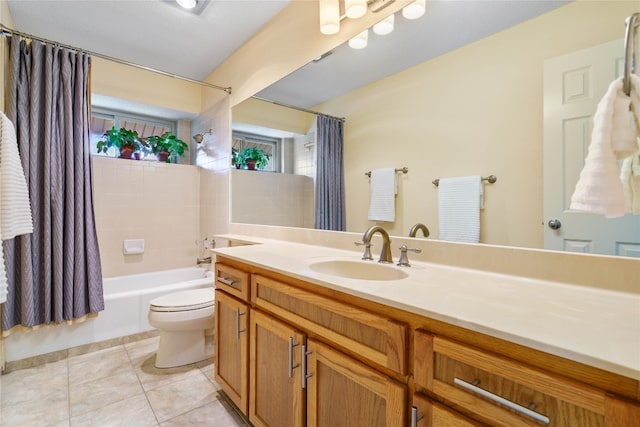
(475, 111)
(154, 201)
(261, 113)
(272, 198)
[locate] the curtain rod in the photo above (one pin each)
(6, 30)
(298, 108)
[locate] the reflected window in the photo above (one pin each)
(270, 145)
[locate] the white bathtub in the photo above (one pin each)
(126, 301)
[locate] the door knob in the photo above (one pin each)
(554, 224)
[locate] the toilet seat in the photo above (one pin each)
(194, 299)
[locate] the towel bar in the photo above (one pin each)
(490, 179)
(403, 170)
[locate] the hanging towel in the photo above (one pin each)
(459, 201)
(599, 189)
(15, 209)
(630, 176)
(382, 205)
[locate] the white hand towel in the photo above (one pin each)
(382, 204)
(599, 189)
(15, 210)
(630, 176)
(459, 208)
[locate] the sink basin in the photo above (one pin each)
(360, 270)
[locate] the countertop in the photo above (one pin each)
(599, 328)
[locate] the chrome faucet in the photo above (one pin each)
(385, 252)
(404, 258)
(205, 260)
(416, 227)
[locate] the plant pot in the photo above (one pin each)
(136, 156)
(251, 165)
(126, 152)
(163, 156)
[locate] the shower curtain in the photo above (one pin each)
(330, 208)
(54, 274)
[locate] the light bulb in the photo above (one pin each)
(414, 10)
(355, 8)
(187, 4)
(385, 26)
(359, 41)
(329, 16)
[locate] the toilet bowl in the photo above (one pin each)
(182, 318)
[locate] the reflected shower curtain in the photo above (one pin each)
(54, 274)
(330, 208)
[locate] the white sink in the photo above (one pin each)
(360, 270)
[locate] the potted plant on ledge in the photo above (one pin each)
(126, 141)
(236, 158)
(255, 158)
(167, 147)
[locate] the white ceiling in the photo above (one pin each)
(160, 35)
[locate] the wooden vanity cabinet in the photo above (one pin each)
(232, 348)
(427, 413)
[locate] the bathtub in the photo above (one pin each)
(126, 304)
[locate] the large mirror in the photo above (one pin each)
(473, 108)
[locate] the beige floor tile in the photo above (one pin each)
(54, 375)
(50, 407)
(213, 414)
(100, 364)
(152, 377)
(141, 350)
(181, 396)
(133, 412)
(93, 395)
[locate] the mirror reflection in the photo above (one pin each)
(476, 110)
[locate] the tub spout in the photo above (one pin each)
(206, 260)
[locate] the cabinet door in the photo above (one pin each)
(275, 373)
(426, 413)
(344, 392)
(232, 344)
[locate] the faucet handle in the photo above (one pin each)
(404, 259)
(367, 250)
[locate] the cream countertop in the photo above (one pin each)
(599, 328)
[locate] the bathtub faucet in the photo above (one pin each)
(206, 260)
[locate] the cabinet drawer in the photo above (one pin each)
(233, 281)
(501, 391)
(379, 339)
(426, 413)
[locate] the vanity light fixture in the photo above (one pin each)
(359, 41)
(329, 16)
(187, 4)
(355, 9)
(414, 10)
(385, 26)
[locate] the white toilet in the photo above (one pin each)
(182, 318)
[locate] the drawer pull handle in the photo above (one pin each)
(291, 366)
(415, 416)
(228, 282)
(491, 396)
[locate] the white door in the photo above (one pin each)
(573, 86)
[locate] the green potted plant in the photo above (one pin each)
(255, 158)
(167, 147)
(124, 140)
(236, 158)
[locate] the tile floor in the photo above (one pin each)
(117, 386)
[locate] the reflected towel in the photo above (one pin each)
(599, 189)
(15, 209)
(459, 201)
(382, 204)
(630, 176)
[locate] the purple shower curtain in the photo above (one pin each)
(330, 204)
(54, 274)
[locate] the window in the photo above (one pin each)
(270, 145)
(103, 119)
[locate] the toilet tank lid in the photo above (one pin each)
(187, 299)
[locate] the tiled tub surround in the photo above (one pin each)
(596, 327)
(116, 386)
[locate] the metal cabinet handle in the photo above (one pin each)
(501, 400)
(291, 366)
(305, 374)
(226, 281)
(415, 417)
(238, 326)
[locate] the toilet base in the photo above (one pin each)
(180, 348)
